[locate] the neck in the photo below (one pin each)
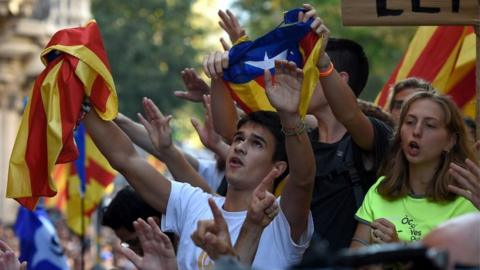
(237, 200)
(420, 176)
(329, 128)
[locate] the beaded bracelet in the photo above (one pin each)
(301, 128)
(327, 72)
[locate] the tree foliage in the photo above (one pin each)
(148, 43)
(384, 46)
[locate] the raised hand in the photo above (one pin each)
(158, 252)
(229, 23)
(467, 181)
(383, 231)
(214, 63)
(209, 138)
(196, 87)
(213, 236)
(284, 93)
(263, 207)
(8, 260)
(157, 125)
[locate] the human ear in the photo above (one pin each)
(281, 166)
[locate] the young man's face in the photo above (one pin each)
(249, 158)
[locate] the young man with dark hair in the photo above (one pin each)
(346, 159)
(250, 159)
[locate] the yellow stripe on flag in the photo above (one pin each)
(419, 42)
(95, 63)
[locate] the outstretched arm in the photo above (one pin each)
(159, 130)
(284, 95)
(139, 135)
(224, 113)
(342, 100)
(120, 153)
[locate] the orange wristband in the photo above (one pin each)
(327, 72)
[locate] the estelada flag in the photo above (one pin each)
(444, 56)
(76, 66)
(293, 41)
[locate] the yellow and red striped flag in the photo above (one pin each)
(76, 66)
(444, 56)
(294, 41)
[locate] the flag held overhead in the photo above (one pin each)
(293, 41)
(76, 66)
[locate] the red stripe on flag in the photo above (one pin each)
(88, 36)
(71, 97)
(440, 45)
(97, 172)
(464, 91)
(99, 95)
(382, 100)
(308, 43)
(237, 99)
(36, 149)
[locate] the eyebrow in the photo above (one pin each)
(426, 118)
(260, 138)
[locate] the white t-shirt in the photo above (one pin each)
(187, 205)
(207, 169)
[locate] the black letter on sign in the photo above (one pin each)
(417, 8)
(382, 9)
(455, 6)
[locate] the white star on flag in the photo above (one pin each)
(268, 63)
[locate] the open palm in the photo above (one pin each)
(284, 93)
(157, 125)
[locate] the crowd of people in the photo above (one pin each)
(348, 173)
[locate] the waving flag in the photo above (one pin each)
(76, 66)
(294, 41)
(445, 56)
(39, 243)
(90, 177)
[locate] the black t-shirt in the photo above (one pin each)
(333, 202)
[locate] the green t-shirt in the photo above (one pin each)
(413, 217)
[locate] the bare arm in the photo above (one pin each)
(160, 134)
(224, 114)
(119, 151)
(139, 135)
(341, 98)
(361, 238)
(284, 95)
(344, 106)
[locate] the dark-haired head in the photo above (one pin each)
(270, 121)
(348, 56)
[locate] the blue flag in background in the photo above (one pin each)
(39, 243)
(80, 162)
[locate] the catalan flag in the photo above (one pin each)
(293, 41)
(76, 66)
(445, 56)
(90, 177)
